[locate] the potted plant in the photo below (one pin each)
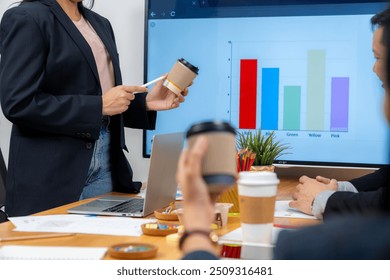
(266, 147)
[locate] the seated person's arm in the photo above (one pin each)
(373, 181)
(349, 202)
(352, 237)
(321, 199)
(318, 196)
(308, 189)
(312, 195)
(198, 205)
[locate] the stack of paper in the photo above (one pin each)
(15, 252)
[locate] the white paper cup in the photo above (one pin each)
(257, 195)
(223, 208)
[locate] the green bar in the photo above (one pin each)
(292, 108)
(315, 89)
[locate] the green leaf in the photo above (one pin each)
(267, 148)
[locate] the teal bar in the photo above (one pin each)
(315, 89)
(292, 108)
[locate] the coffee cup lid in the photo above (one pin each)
(210, 126)
(257, 178)
(189, 65)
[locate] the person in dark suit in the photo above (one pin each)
(350, 237)
(324, 197)
(61, 87)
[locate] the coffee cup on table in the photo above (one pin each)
(257, 195)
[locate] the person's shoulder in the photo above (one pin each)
(35, 9)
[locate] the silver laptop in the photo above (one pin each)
(161, 186)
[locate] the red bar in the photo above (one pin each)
(248, 93)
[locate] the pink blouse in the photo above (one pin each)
(102, 58)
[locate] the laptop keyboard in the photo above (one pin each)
(130, 206)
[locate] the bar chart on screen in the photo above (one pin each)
(292, 85)
(308, 78)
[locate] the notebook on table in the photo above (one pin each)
(161, 185)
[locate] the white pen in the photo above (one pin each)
(153, 81)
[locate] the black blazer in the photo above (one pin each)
(50, 91)
(373, 195)
(358, 237)
(347, 238)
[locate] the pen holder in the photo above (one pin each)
(230, 196)
(231, 251)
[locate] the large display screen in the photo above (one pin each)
(302, 70)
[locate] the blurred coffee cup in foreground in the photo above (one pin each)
(219, 167)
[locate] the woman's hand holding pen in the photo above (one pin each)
(117, 100)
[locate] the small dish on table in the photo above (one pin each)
(159, 229)
(133, 251)
(161, 214)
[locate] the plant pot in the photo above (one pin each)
(263, 168)
(231, 194)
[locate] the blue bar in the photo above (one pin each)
(269, 98)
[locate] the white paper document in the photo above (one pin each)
(16, 252)
(282, 210)
(81, 224)
(235, 236)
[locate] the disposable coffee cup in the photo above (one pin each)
(223, 208)
(219, 165)
(257, 195)
(180, 76)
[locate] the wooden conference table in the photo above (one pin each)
(167, 250)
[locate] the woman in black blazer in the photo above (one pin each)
(50, 89)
